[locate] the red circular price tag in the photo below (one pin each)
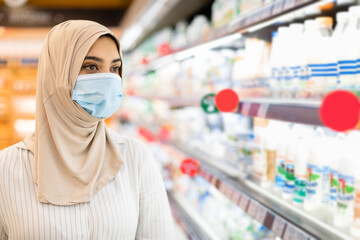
(190, 167)
(340, 110)
(227, 100)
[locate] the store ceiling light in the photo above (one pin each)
(206, 46)
(289, 16)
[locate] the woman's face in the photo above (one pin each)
(103, 57)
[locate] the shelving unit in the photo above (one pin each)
(273, 13)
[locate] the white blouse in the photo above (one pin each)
(133, 205)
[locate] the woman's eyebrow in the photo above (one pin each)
(116, 60)
(94, 58)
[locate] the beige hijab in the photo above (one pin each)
(75, 155)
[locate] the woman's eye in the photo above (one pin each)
(90, 67)
(116, 69)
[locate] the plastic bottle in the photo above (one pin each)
(280, 159)
(275, 65)
(317, 177)
(348, 52)
(289, 186)
(342, 19)
(284, 71)
(320, 57)
(270, 155)
(297, 57)
(297, 132)
(333, 177)
(300, 173)
(309, 32)
(355, 227)
(345, 201)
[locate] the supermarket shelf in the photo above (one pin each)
(190, 220)
(274, 13)
(298, 111)
(289, 110)
(283, 218)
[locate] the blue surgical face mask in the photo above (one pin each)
(99, 93)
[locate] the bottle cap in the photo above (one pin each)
(324, 21)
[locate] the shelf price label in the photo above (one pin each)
(253, 207)
(263, 110)
(245, 110)
(289, 4)
(244, 202)
(293, 233)
(278, 7)
(278, 226)
(261, 214)
(236, 196)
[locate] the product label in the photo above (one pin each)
(270, 166)
(300, 189)
(280, 173)
(346, 195)
(314, 179)
(357, 207)
(325, 185)
(334, 184)
(289, 178)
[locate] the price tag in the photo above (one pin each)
(278, 226)
(261, 214)
(253, 207)
(266, 12)
(235, 197)
(234, 25)
(278, 7)
(230, 192)
(245, 110)
(290, 232)
(289, 4)
(263, 110)
(300, 235)
(222, 188)
(244, 202)
(214, 180)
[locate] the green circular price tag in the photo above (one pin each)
(208, 103)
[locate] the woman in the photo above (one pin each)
(74, 178)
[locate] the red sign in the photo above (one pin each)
(340, 110)
(190, 167)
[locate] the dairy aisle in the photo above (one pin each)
(268, 168)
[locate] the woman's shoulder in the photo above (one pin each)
(12, 154)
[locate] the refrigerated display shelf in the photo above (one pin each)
(270, 14)
(290, 110)
(189, 219)
(278, 215)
